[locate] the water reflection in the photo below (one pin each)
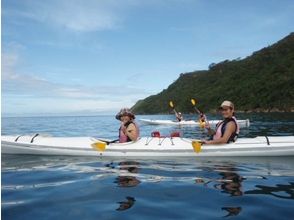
(124, 205)
(232, 211)
(130, 166)
(125, 180)
(280, 191)
(230, 182)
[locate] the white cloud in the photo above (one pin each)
(79, 15)
(93, 16)
(25, 93)
(75, 15)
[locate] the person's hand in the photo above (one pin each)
(205, 142)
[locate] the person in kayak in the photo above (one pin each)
(129, 130)
(202, 119)
(227, 130)
(179, 116)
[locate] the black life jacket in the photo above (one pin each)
(224, 123)
(127, 125)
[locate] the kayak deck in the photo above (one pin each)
(146, 147)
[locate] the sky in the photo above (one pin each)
(89, 57)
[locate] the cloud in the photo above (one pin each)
(26, 84)
(75, 15)
(25, 93)
(93, 16)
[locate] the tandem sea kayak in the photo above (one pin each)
(146, 147)
(242, 123)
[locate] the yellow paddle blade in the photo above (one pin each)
(171, 104)
(99, 146)
(196, 146)
(193, 101)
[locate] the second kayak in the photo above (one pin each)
(242, 123)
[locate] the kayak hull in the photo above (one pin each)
(147, 147)
(242, 123)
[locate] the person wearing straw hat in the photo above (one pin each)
(228, 129)
(129, 130)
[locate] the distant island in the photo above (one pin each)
(262, 82)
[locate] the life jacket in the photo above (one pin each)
(221, 128)
(122, 136)
(179, 118)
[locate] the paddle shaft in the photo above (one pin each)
(108, 142)
(197, 110)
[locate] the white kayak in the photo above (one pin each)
(242, 123)
(146, 147)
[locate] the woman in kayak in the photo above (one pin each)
(227, 130)
(129, 130)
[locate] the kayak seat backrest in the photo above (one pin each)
(175, 134)
(158, 135)
(155, 134)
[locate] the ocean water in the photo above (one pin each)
(58, 187)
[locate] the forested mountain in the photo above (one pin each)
(263, 81)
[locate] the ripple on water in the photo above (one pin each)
(153, 189)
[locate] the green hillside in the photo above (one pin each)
(263, 81)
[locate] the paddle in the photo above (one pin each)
(107, 141)
(197, 146)
(202, 123)
(171, 104)
(193, 101)
(100, 146)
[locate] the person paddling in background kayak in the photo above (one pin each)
(129, 130)
(202, 120)
(179, 116)
(227, 130)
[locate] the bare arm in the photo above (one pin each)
(230, 129)
(132, 132)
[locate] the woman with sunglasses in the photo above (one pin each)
(228, 129)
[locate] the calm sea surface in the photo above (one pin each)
(50, 187)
